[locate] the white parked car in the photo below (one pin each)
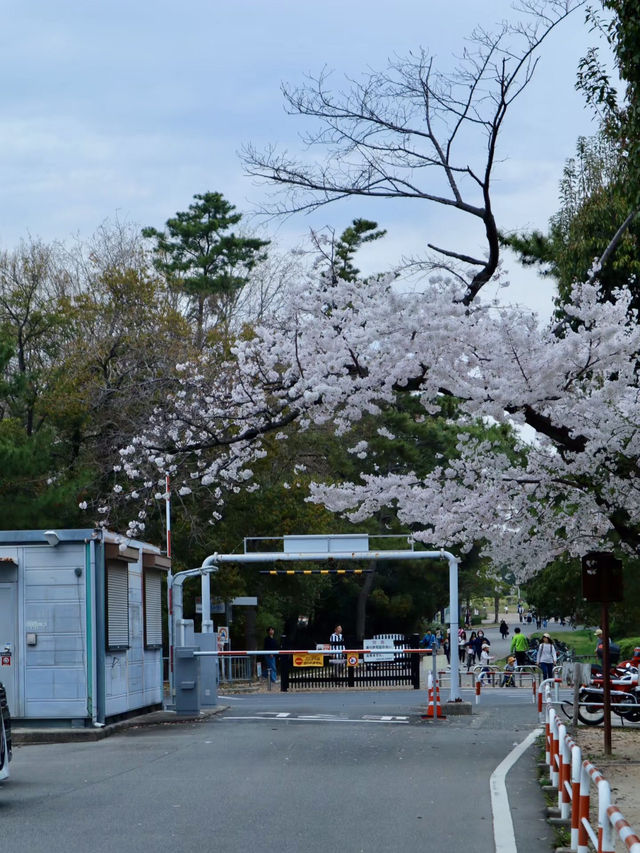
(5, 734)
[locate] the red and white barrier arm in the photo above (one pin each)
(334, 652)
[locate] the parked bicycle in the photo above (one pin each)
(563, 651)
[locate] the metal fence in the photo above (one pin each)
(234, 668)
(230, 669)
(340, 669)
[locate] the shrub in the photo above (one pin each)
(627, 645)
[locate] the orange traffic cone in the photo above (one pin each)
(434, 709)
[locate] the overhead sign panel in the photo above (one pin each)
(344, 543)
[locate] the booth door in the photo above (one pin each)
(9, 643)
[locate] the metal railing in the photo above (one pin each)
(234, 668)
(573, 777)
(520, 677)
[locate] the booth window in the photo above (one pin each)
(152, 609)
(154, 567)
(117, 558)
(117, 605)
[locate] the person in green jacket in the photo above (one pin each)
(519, 647)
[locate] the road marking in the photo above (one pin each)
(273, 714)
(383, 718)
(503, 834)
(317, 718)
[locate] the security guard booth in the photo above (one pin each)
(80, 625)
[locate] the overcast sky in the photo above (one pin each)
(121, 109)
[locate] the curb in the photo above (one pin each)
(26, 736)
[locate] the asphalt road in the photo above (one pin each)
(356, 772)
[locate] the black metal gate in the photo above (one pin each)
(402, 671)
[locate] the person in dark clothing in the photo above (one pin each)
(504, 630)
(446, 646)
(271, 644)
(471, 650)
(480, 641)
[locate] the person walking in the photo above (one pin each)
(462, 642)
(471, 650)
(504, 630)
(614, 648)
(337, 642)
(546, 657)
(270, 644)
(485, 660)
(519, 646)
(429, 641)
(446, 646)
(480, 642)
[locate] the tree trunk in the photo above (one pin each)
(363, 597)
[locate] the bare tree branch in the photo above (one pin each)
(386, 129)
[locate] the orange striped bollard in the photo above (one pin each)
(564, 795)
(555, 751)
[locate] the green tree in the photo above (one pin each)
(596, 232)
(33, 326)
(356, 235)
(201, 254)
(619, 111)
(557, 591)
(594, 201)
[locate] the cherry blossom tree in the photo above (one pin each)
(571, 483)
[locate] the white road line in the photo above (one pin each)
(314, 719)
(386, 717)
(503, 834)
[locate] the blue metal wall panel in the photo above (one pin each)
(55, 677)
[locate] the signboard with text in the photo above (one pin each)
(308, 660)
(382, 643)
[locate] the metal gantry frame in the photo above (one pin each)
(213, 561)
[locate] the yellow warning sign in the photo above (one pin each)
(353, 659)
(308, 660)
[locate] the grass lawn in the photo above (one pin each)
(582, 641)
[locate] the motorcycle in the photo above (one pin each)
(624, 694)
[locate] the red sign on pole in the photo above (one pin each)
(6, 660)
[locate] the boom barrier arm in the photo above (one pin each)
(338, 650)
